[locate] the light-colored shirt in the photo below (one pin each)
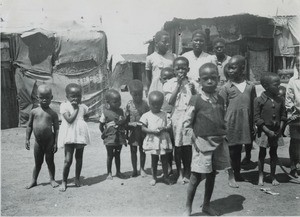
(196, 62)
(292, 99)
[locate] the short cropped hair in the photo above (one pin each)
(217, 40)
(181, 58)
(159, 35)
(136, 85)
(208, 65)
(72, 85)
(111, 93)
(198, 32)
(266, 77)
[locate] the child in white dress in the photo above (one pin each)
(74, 133)
(157, 141)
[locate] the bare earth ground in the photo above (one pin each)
(129, 196)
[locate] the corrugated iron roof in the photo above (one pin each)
(136, 58)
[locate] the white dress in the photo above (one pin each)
(76, 132)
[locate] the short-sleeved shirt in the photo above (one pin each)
(155, 63)
(196, 62)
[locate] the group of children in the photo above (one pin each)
(203, 124)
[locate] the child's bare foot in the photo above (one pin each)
(152, 182)
(63, 187)
(31, 185)
(78, 183)
(274, 181)
(261, 180)
(143, 173)
(134, 174)
(232, 183)
(187, 212)
(180, 180)
(120, 175)
(210, 211)
(185, 180)
(109, 176)
(53, 183)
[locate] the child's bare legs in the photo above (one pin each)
(293, 149)
(109, 159)
(154, 162)
(133, 152)
(209, 187)
(69, 151)
(195, 179)
(273, 162)
(186, 161)
(78, 157)
(247, 158)
(51, 166)
(178, 157)
(235, 159)
(38, 161)
(142, 161)
(231, 180)
(165, 165)
(261, 160)
(117, 153)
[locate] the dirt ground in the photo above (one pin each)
(129, 196)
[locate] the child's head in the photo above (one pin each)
(156, 100)
(136, 90)
(236, 68)
(44, 95)
(181, 66)
(270, 82)
(226, 71)
(162, 41)
(198, 40)
(219, 46)
(209, 77)
(74, 93)
(166, 74)
(113, 99)
(281, 91)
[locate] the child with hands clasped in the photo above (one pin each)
(135, 108)
(74, 133)
(178, 92)
(112, 125)
(238, 95)
(157, 141)
(204, 123)
(269, 116)
(43, 121)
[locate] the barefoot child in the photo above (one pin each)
(112, 125)
(239, 95)
(269, 116)
(204, 123)
(157, 141)
(178, 92)
(43, 121)
(74, 134)
(292, 104)
(134, 110)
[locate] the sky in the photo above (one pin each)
(129, 23)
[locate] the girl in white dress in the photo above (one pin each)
(157, 141)
(73, 133)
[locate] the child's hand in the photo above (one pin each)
(55, 148)
(27, 144)
(192, 88)
(294, 117)
(271, 134)
(157, 132)
(133, 124)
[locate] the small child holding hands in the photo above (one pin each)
(74, 133)
(43, 121)
(112, 125)
(269, 116)
(157, 141)
(135, 108)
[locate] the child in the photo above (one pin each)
(178, 92)
(204, 122)
(112, 125)
(157, 141)
(269, 116)
(292, 104)
(158, 60)
(239, 96)
(74, 134)
(134, 110)
(43, 121)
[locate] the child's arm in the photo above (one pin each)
(70, 118)
(55, 129)
(188, 133)
(102, 122)
(29, 130)
(148, 81)
(148, 131)
(173, 96)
